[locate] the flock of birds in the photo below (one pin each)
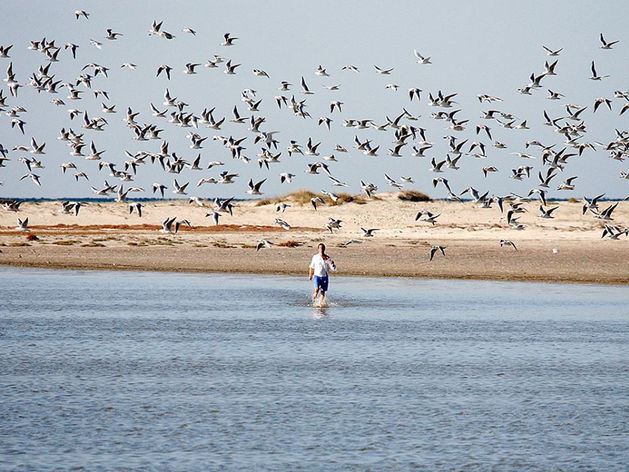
(408, 138)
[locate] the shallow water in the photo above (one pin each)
(163, 371)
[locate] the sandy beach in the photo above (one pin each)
(567, 248)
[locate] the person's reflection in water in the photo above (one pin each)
(320, 313)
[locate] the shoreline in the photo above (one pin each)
(566, 249)
(294, 262)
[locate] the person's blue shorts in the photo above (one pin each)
(321, 283)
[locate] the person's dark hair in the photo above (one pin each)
(321, 245)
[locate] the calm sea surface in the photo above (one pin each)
(161, 371)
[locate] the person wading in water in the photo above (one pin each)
(320, 266)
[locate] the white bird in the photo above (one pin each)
(254, 189)
(546, 213)
(595, 75)
(22, 225)
(368, 232)
(180, 189)
(137, 206)
(282, 223)
(421, 59)
(550, 52)
(263, 243)
(506, 242)
(286, 177)
(383, 71)
(281, 207)
(33, 177)
(229, 40)
(606, 44)
(190, 68)
(434, 249)
(111, 35)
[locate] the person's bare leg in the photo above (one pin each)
(322, 299)
(315, 294)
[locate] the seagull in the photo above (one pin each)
(68, 207)
(196, 200)
(263, 243)
(33, 177)
(315, 201)
(434, 249)
(606, 214)
(111, 35)
(282, 223)
(190, 66)
(333, 224)
(229, 40)
(368, 233)
(305, 88)
(22, 225)
(260, 73)
(179, 189)
(351, 241)
(567, 185)
(254, 189)
(164, 68)
(506, 242)
(599, 101)
(167, 225)
(550, 52)
(281, 207)
(81, 13)
(215, 216)
(430, 217)
(286, 177)
(350, 68)
(230, 69)
(595, 76)
(321, 72)
(591, 204)
(137, 206)
(159, 187)
(546, 213)
(421, 59)
(436, 166)
(383, 71)
(605, 44)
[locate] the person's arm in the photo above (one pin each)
(311, 269)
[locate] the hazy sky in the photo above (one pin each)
(476, 47)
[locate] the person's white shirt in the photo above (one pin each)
(322, 267)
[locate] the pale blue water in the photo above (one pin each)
(162, 371)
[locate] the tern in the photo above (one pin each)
(22, 225)
(263, 243)
(383, 71)
(137, 206)
(595, 76)
(434, 249)
(506, 242)
(606, 44)
(368, 233)
(229, 40)
(421, 59)
(546, 213)
(282, 223)
(254, 189)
